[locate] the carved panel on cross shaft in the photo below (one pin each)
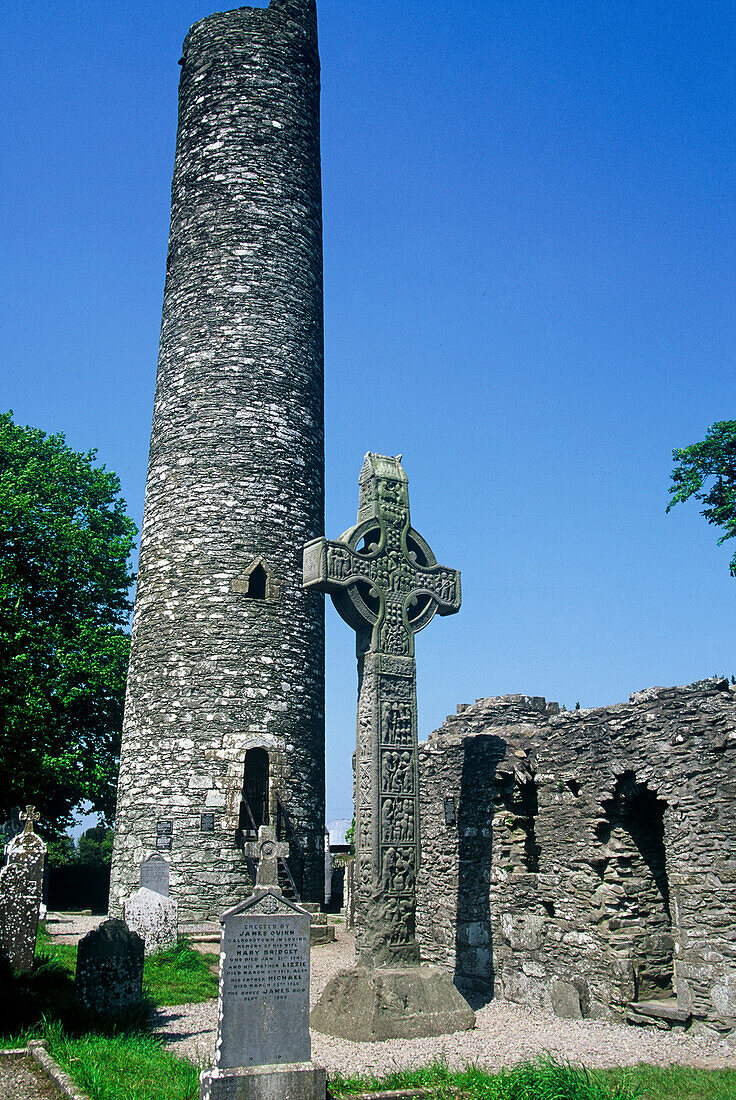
(397, 773)
(364, 783)
(397, 819)
(398, 870)
(365, 872)
(397, 726)
(394, 633)
(398, 914)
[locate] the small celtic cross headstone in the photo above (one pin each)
(266, 851)
(385, 582)
(30, 817)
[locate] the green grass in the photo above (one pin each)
(181, 975)
(178, 976)
(124, 1067)
(550, 1080)
(680, 1082)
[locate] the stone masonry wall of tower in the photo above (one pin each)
(228, 648)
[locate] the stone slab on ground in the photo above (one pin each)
(369, 1005)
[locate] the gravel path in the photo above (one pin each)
(504, 1034)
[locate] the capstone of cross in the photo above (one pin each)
(30, 817)
(386, 583)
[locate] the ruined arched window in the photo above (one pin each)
(632, 831)
(515, 812)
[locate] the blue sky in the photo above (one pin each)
(529, 292)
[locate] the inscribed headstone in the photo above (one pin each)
(21, 886)
(154, 917)
(110, 968)
(155, 874)
(263, 1011)
(263, 1047)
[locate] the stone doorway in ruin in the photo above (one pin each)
(254, 797)
(638, 896)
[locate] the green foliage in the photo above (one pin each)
(714, 458)
(65, 543)
(60, 851)
(95, 847)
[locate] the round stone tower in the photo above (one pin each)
(224, 719)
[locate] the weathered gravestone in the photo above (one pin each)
(154, 918)
(21, 886)
(385, 582)
(263, 1047)
(155, 874)
(109, 968)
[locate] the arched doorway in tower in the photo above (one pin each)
(254, 797)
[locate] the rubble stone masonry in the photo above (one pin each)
(584, 862)
(227, 649)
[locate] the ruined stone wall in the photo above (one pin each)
(227, 649)
(583, 861)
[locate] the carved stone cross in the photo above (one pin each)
(385, 582)
(267, 851)
(30, 817)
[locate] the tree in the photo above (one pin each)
(95, 847)
(714, 458)
(65, 544)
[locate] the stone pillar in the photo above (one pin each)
(227, 649)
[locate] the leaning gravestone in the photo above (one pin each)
(154, 918)
(263, 1046)
(110, 968)
(21, 887)
(386, 583)
(155, 874)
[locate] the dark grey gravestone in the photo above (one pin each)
(155, 875)
(110, 968)
(21, 887)
(263, 1045)
(386, 583)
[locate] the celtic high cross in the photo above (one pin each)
(385, 582)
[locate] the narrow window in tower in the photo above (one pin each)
(254, 797)
(257, 582)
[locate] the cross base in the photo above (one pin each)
(370, 1005)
